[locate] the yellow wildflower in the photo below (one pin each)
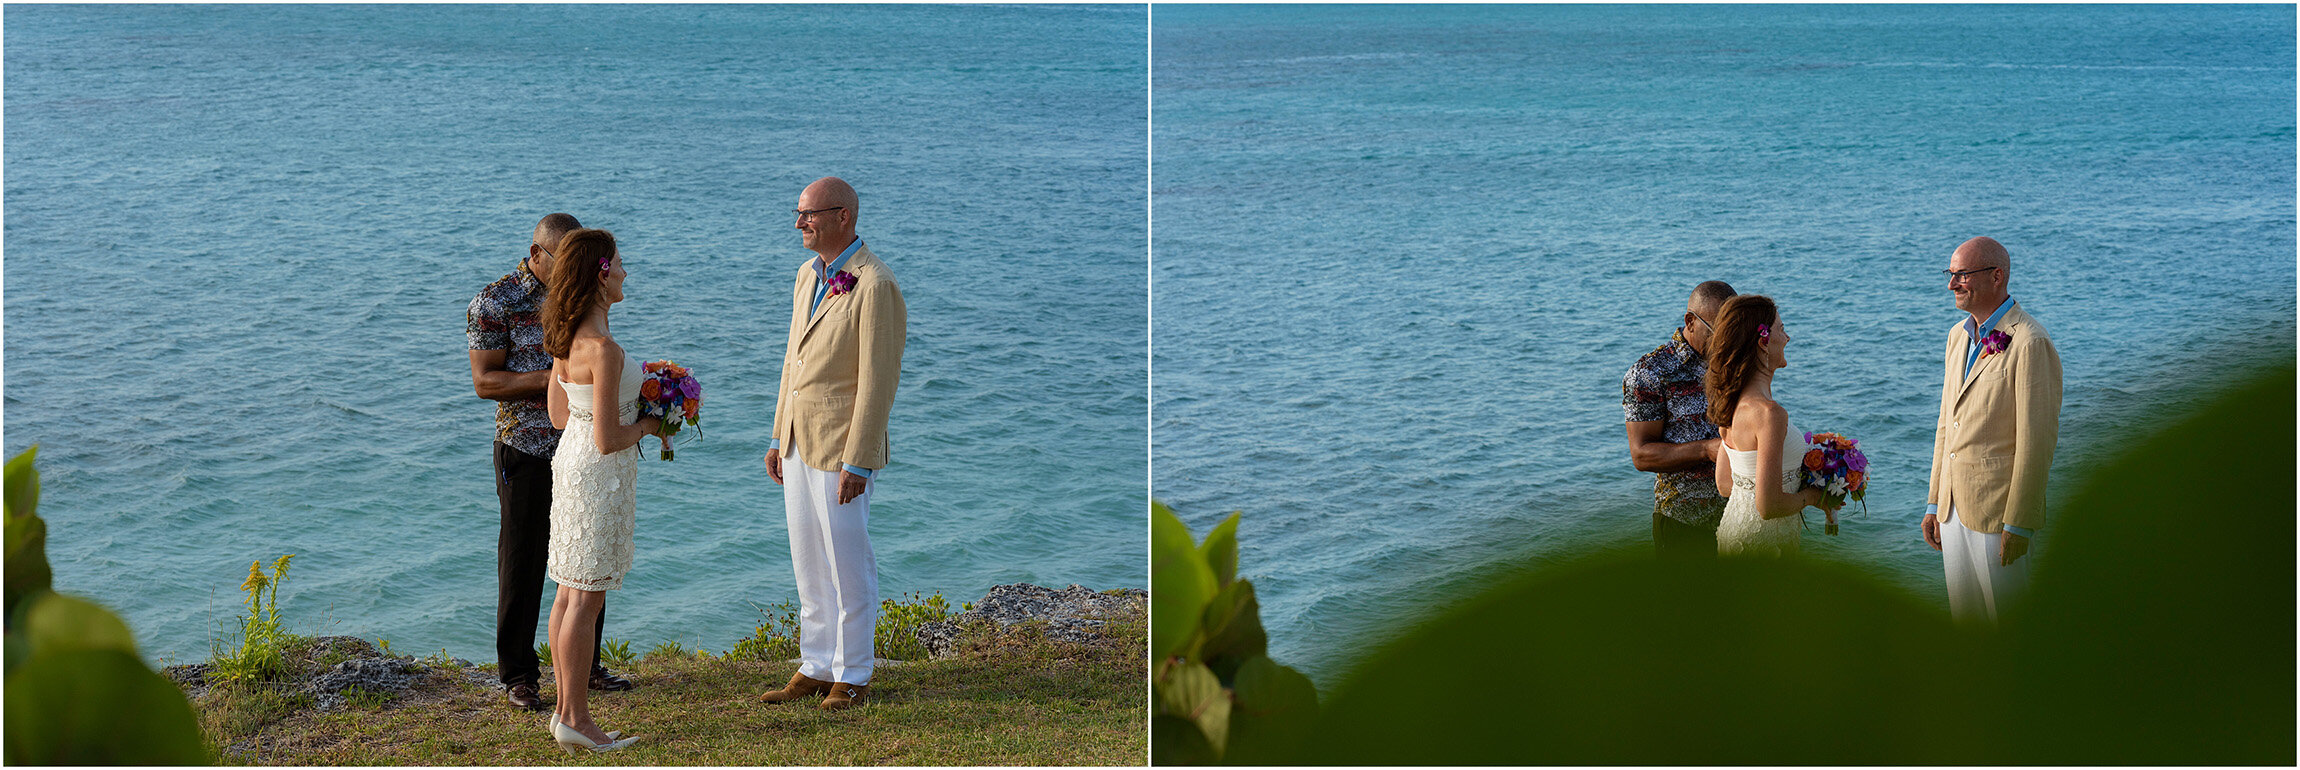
(256, 580)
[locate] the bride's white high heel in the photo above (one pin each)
(575, 742)
(550, 719)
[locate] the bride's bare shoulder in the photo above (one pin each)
(1759, 412)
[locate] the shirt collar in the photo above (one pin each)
(1988, 325)
(526, 278)
(823, 273)
(1685, 351)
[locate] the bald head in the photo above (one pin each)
(1984, 252)
(1980, 276)
(826, 216)
(831, 191)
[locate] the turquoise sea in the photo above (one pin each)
(1403, 256)
(240, 241)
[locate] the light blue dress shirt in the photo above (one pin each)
(1973, 335)
(822, 288)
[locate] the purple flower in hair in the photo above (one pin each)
(1764, 332)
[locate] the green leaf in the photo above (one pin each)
(98, 707)
(1634, 661)
(1233, 630)
(1180, 584)
(21, 485)
(1191, 692)
(26, 569)
(1273, 708)
(1221, 550)
(1177, 741)
(2159, 626)
(58, 622)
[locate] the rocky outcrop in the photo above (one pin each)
(340, 667)
(1073, 614)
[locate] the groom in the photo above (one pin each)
(839, 370)
(1992, 443)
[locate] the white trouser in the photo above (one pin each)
(838, 576)
(1980, 585)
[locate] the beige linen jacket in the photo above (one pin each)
(840, 367)
(1992, 443)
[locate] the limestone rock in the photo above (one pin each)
(1072, 614)
(375, 675)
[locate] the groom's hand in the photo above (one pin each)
(775, 464)
(850, 486)
(2011, 548)
(1932, 527)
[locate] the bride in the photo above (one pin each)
(1760, 518)
(594, 501)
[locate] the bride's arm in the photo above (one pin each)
(1724, 468)
(1768, 420)
(555, 397)
(608, 430)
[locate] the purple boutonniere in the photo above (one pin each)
(842, 283)
(1995, 342)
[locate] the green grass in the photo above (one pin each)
(1018, 699)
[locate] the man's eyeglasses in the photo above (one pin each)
(1690, 318)
(804, 214)
(1966, 275)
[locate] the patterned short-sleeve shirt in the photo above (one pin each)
(508, 316)
(1665, 385)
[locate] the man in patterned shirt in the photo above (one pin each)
(1667, 408)
(508, 365)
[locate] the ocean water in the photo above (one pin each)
(240, 241)
(1403, 257)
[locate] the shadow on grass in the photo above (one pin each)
(2160, 631)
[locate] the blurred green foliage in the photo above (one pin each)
(2159, 630)
(1219, 698)
(76, 692)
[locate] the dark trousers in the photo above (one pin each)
(1673, 539)
(523, 491)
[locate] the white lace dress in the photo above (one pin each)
(1742, 531)
(594, 497)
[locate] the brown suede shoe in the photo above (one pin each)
(801, 686)
(845, 696)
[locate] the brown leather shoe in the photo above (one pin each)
(845, 696)
(602, 679)
(523, 695)
(801, 686)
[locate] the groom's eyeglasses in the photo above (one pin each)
(1690, 318)
(809, 214)
(1966, 275)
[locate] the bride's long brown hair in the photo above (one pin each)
(1735, 352)
(573, 286)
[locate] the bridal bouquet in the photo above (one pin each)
(670, 392)
(1836, 466)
